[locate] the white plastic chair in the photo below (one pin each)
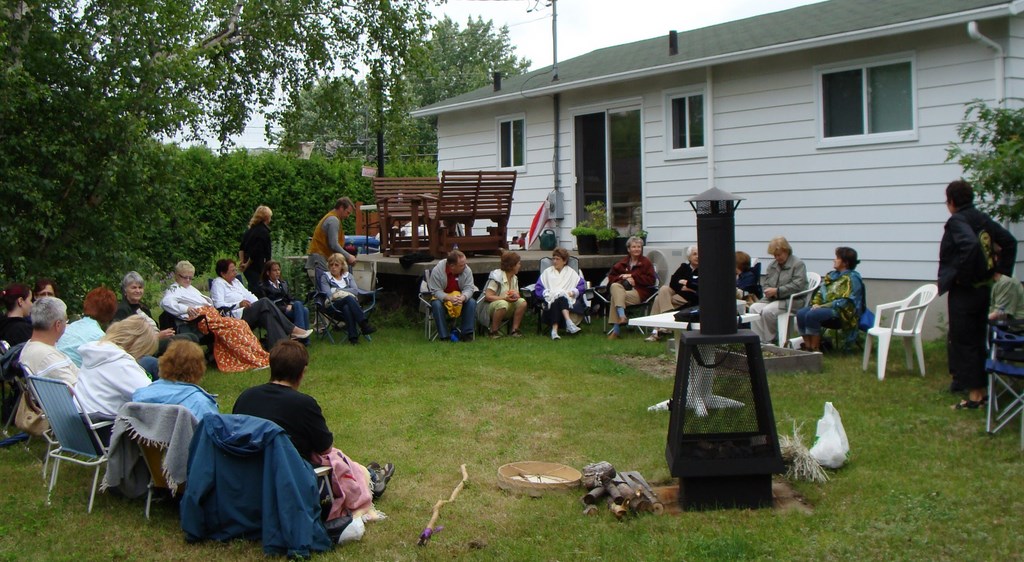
(784, 323)
(906, 321)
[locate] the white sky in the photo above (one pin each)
(583, 26)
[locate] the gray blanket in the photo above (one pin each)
(168, 426)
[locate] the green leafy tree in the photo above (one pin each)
(991, 152)
(87, 85)
(342, 116)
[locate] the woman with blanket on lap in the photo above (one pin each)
(562, 289)
(235, 347)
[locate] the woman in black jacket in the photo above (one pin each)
(254, 250)
(276, 289)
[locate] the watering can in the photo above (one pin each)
(548, 240)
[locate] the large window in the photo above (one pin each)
(512, 143)
(867, 100)
(684, 123)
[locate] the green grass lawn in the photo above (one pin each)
(923, 482)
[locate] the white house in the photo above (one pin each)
(831, 120)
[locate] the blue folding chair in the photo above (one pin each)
(76, 435)
(1005, 367)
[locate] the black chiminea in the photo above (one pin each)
(722, 442)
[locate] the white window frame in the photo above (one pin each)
(672, 153)
(866, 138)
(498, 122)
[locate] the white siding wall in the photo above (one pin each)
(885, 200)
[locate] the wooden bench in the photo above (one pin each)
(400, 204)
(464, 198)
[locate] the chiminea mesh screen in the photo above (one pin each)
(721, 421)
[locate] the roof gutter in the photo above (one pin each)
(803, 44)
(1000, 57)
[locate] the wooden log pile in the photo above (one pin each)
(624, 492)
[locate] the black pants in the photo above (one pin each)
(968, 332)
(265, 313)
(553, 315)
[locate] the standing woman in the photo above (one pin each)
(965, 275)
(630, 281)
(276, 289)
(254, 251)
(16, 327)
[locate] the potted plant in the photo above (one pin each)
(586, 229)
(606, 240)
(586, 238)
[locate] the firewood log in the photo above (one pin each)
(597, 474)
(592, 496)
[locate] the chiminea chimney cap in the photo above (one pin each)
(715, 194)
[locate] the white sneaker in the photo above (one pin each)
(653, 337)
(555, 336)
(571, 327)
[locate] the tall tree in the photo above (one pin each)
(991, 152)
(86, 85)
(340, 112)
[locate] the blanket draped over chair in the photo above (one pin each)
(164, 425)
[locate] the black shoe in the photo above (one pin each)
(467, 337)
(354, 341)
(367, 328)
(380, 476)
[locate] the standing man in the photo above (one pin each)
(965, 275)
(328, 237)
(451, 284)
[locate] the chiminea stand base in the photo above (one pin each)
(748, 491)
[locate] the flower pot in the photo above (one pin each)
(606, 247)
(620, 245)
(586, 244)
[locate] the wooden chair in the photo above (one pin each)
(400, 206)
(464, 198)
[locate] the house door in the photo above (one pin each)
(608, 166)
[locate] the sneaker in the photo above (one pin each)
(653, 337)
(555, 336)
(454, 337)
(302, 334)
(467, 337)
(572, 328)
(380, 476)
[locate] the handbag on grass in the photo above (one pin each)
(29, 418)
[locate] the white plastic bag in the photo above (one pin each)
(831, 448)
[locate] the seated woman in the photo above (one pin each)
(227, 292)
(132, 289)
(338, 287)
(44, 287)
(501, 297)
(561, 287)
(748, 279)
(276, 289)
(841, 296)
(110, 371)
(235, 348)
(634, 271)
(681, 290)
(181, 368)
(786, 275)
(16, 327)
(97, 311)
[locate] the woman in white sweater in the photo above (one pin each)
(110, 370)
(561, 288)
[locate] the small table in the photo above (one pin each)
(367, 209)
(667, 321)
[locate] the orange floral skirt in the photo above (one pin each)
(235, 347)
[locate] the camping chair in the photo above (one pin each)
(425, 297)
(76, 435)
(906, 322)
(1005, 368)
(538, 306)
(601, 297)
(787, 317)
(326, 319)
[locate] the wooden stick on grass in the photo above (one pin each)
(430, 530)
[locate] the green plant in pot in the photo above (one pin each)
(606, 240)
(586, 238)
